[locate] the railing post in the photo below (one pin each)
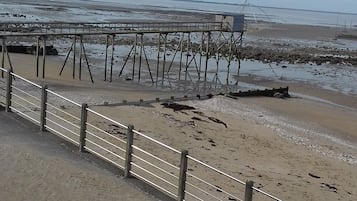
(8, 90)
(82, 132)
(248, 191)
(43, 108)
(129, 150)
(182, 178)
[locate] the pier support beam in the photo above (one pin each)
(43, 56)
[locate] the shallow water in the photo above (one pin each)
(253, 13)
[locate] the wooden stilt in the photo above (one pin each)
(74, 56)
(65, 61)
(200, 62)
(181, 54)
(140, 54)
(148, 65)
(3, 55)
(37, 56)
(112, 60)
(134, 58)
(158, 59)
(173, 58)
(106, 58)
(43, 56)
(230, 57)
(187, 54)
(80, 57)
(86, 58)
(8, 58)
(164, 62)
(207, 54)
(126, 61)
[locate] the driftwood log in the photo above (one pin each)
(23, 49)
(279, 93)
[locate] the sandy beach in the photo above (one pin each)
(301, 148)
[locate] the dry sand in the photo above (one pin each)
(277, 143)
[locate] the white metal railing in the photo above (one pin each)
(173, 172)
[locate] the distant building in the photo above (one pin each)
(233, 23)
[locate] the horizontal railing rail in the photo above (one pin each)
(175, 173)
(62, 116)
(24, 97)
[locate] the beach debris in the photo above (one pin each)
(199, 113)
(177, 107)
(218, 188)
(197, 138)
(213, 143)
(191, 123)
(329, 187)
(209, 96)
(314, 176)
(217, 121)
(252, 168)
(259, 186)
(279, 92)
(196, 118)
(233, 199)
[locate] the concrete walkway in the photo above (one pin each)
(40, 166)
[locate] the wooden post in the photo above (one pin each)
(74, 56)
(129, 150)
(164, 62)
(112, 59)
(187, 54)
(140, 54)
(158, 59)
(43, 56)
(8, 91)
(181, 54)
(80, 56)
(37, 56)
(248, 191)
(3, 56)
(134, 57)
(106, 58)
(182, 178)
(207, 54)
(82, 132)
(43, 108)
(200, 63)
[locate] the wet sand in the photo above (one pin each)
(274, 142)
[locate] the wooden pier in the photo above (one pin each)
(197, 53)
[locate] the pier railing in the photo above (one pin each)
(68, 28)
(173, 172)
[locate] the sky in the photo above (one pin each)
(344, 6)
